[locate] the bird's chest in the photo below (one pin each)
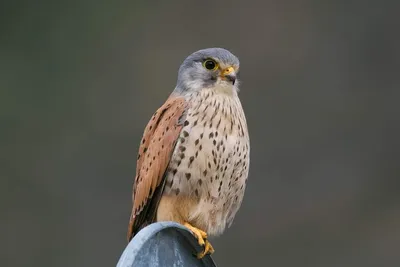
(211, 157)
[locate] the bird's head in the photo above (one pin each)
(215, 68)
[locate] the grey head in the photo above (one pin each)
(208, 68)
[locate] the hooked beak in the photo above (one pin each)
(229, 74)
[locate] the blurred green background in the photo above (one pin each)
(320, 87)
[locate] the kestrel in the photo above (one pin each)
(193, 159)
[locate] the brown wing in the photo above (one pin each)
(155, 152)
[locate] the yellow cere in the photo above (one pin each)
(228, 70)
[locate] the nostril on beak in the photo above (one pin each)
(231, 78)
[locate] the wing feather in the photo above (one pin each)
(155, 151)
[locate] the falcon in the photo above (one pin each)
(193, 160)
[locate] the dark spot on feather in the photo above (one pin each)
(219, 122)
(191, 160)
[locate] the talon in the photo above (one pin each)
(202, 240)
(199, 234)
(208, 249)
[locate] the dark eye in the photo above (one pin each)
(210, 64)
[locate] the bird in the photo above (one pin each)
(194, 156)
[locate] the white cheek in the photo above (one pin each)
(225, 86)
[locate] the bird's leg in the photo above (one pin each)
(202, 239)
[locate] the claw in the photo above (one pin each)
(202, 240)
(199, 234)
(208, 249)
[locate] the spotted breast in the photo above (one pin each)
(207, 174)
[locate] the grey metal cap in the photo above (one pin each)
(164, 244)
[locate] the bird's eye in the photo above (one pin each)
(210, 64)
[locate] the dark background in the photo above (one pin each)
(80, 79)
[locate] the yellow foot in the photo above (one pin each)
(208, 249)
(199, 234)
(202, 239)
